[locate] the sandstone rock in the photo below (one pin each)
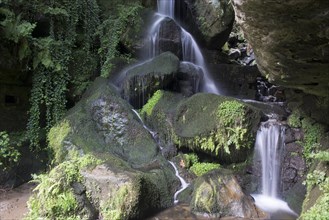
(218, 194)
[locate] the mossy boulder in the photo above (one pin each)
(143, 80)
(218, 194)
(220, 126)
(103, 122)
(129, 172)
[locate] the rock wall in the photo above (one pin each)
(290, 41)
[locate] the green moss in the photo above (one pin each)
(148, 107)
(120, 206)
(53, 198)
(56, 136)
(201, 168)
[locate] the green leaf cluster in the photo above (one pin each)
(9, 155)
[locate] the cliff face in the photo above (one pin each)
(290, 41)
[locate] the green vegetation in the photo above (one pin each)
(191, 162)
(234, 126)
(312, 136)
(49, 40)
(201, 168)
(190, 159)
(9, 155)
(320, 210)
(54, 197)
(148, 107)
(56, 136)
(294, 120)
(128, 15)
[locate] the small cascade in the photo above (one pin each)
(269, 147)
(191, 50)
(184, 184)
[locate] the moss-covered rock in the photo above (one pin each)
(218, 193)
(131, 177)
(218, 125)
(143, 80)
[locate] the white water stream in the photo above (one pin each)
(184, 184)
(268, 149)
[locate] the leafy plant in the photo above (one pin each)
(116, 25)
(190, 159)
(53, 197)
(9, 155)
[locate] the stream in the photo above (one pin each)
(184, 184)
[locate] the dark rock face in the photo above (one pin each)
(209, 21)
(188, 78)
(170, 38)
(290, 41)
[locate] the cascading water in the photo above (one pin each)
(268, 150)
(184, 184)
(190, 49)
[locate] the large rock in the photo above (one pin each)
(169, 38)
(218, 194)
(107, 160)
(290, 41)
(211, 21)
(220, 126)
(143, 80)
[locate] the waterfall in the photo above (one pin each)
(191, 51)
(269, 147)
(166, 7)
